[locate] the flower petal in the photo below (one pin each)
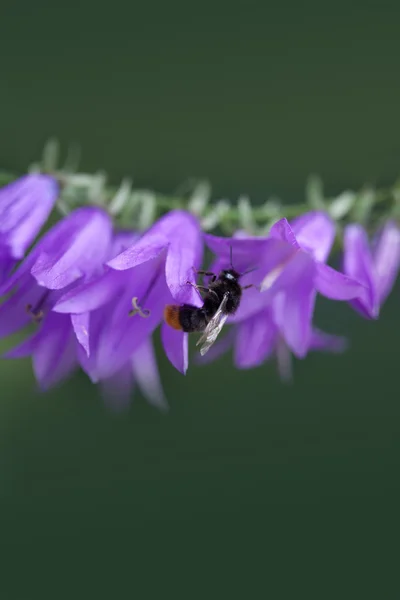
(184, 254)
(20, 276)
(223, 247)
(54, 356)
(80, 324)
(327, 342)
(176, 347)
(247, 253)
(113, 334)
(293, 305)
(14, 314)
(255, 340)
(117, 390)
(6, 265)
(147, 376)
(25, 205)
(87, 361)
(357, 264)
(90, 296)
(284, 361)
(315, 232)
(337, 286)
(386, 257)
(122, 240)
(22, 350)
(179, 232)
(281, 230)
(73, 248)
(147, 248)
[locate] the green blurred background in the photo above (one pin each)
(248, 488)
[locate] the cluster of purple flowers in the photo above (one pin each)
(95, 294)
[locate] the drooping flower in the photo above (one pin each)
(152, 272)
(91, 308)
(25, 205)
(258, 339)
(141, 370)
(53, 349)
(290, 267)
(376, 265)
(73, 250)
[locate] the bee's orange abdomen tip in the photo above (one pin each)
(171, 316)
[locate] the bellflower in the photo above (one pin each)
(25, 205)
(104, 349)
(141, 370)
(72, 251)
(258, 338)
(376, 265)
(114, 315)
(290, 267)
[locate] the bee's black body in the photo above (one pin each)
(191, 318)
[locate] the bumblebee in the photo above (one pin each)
(221, 299)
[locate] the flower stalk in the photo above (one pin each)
(139, 208)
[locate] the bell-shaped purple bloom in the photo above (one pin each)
(114, 315)
(376, 265)
(105, 349)
(140, 370)
(290, 268)
(258, 339)
(25, 205)
(53, 348)
(74, 250)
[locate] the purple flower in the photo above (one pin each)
(73, 250)
(376, 267)
(53, 348)
(25, 205)
(290, 267)
(141, 370)
(115, 314)
(96, 296)
(258, 338)
(94, 308)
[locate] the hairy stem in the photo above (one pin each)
(138, 209)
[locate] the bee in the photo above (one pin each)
(221, 299)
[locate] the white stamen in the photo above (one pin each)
(138, 310)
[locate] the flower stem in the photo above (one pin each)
(138, 209)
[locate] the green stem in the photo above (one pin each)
(368, 206)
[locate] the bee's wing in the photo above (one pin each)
(213, 328)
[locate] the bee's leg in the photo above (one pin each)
(203, 288)
(198, 287)
(251, 285)
(206, 273)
